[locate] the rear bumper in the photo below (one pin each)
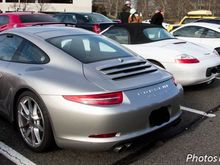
(73, 123)
(111, 143)
(192, 74)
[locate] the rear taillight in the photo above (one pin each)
(107, 135)
(97, 99)
(186, 59)
(96, 28)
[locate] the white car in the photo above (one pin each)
(190, 63)
(200, 33)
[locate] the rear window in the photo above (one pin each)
(89, 48)
(37, 18)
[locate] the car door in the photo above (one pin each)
(8, 46)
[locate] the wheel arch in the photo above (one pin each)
(15, 99)
(156, 63)
(48, 143)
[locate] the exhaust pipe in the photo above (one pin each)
(122, 147)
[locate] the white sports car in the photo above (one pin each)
(190, 64)
(200, 33)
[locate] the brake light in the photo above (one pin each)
(96, 28)
(97, 99)
(186, 59)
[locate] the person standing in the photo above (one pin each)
(157, 18)
(134, 17)
(124, 15)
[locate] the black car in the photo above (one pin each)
(91, 21)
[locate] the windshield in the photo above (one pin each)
(89, 48)
(97, 18)
(157, 34)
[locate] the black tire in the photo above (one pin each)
(33, 122)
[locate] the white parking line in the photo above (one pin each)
(14, 156)
(197, 112)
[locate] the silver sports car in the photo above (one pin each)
(80, 89)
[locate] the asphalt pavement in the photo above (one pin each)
(195, 134)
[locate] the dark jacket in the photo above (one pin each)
(157, 19)
(124, 16)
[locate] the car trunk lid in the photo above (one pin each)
(185, 47)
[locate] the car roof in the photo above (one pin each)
(212, 26)
(21, 13)
(77, 13)
(46, 32)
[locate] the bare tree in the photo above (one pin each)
(20, 6)
(174, 9)
(42, 5)
(114, 7)
(134, 3)
(14, 7)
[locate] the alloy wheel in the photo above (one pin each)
(31, 121)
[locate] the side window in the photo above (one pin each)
(59, 17)
(211, 34)
(83, 19)
(120, 35)
(4, 20)
(29, 53)
(8, 46)
(70, 19)
(190, 31)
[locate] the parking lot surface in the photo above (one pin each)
(195, 134)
